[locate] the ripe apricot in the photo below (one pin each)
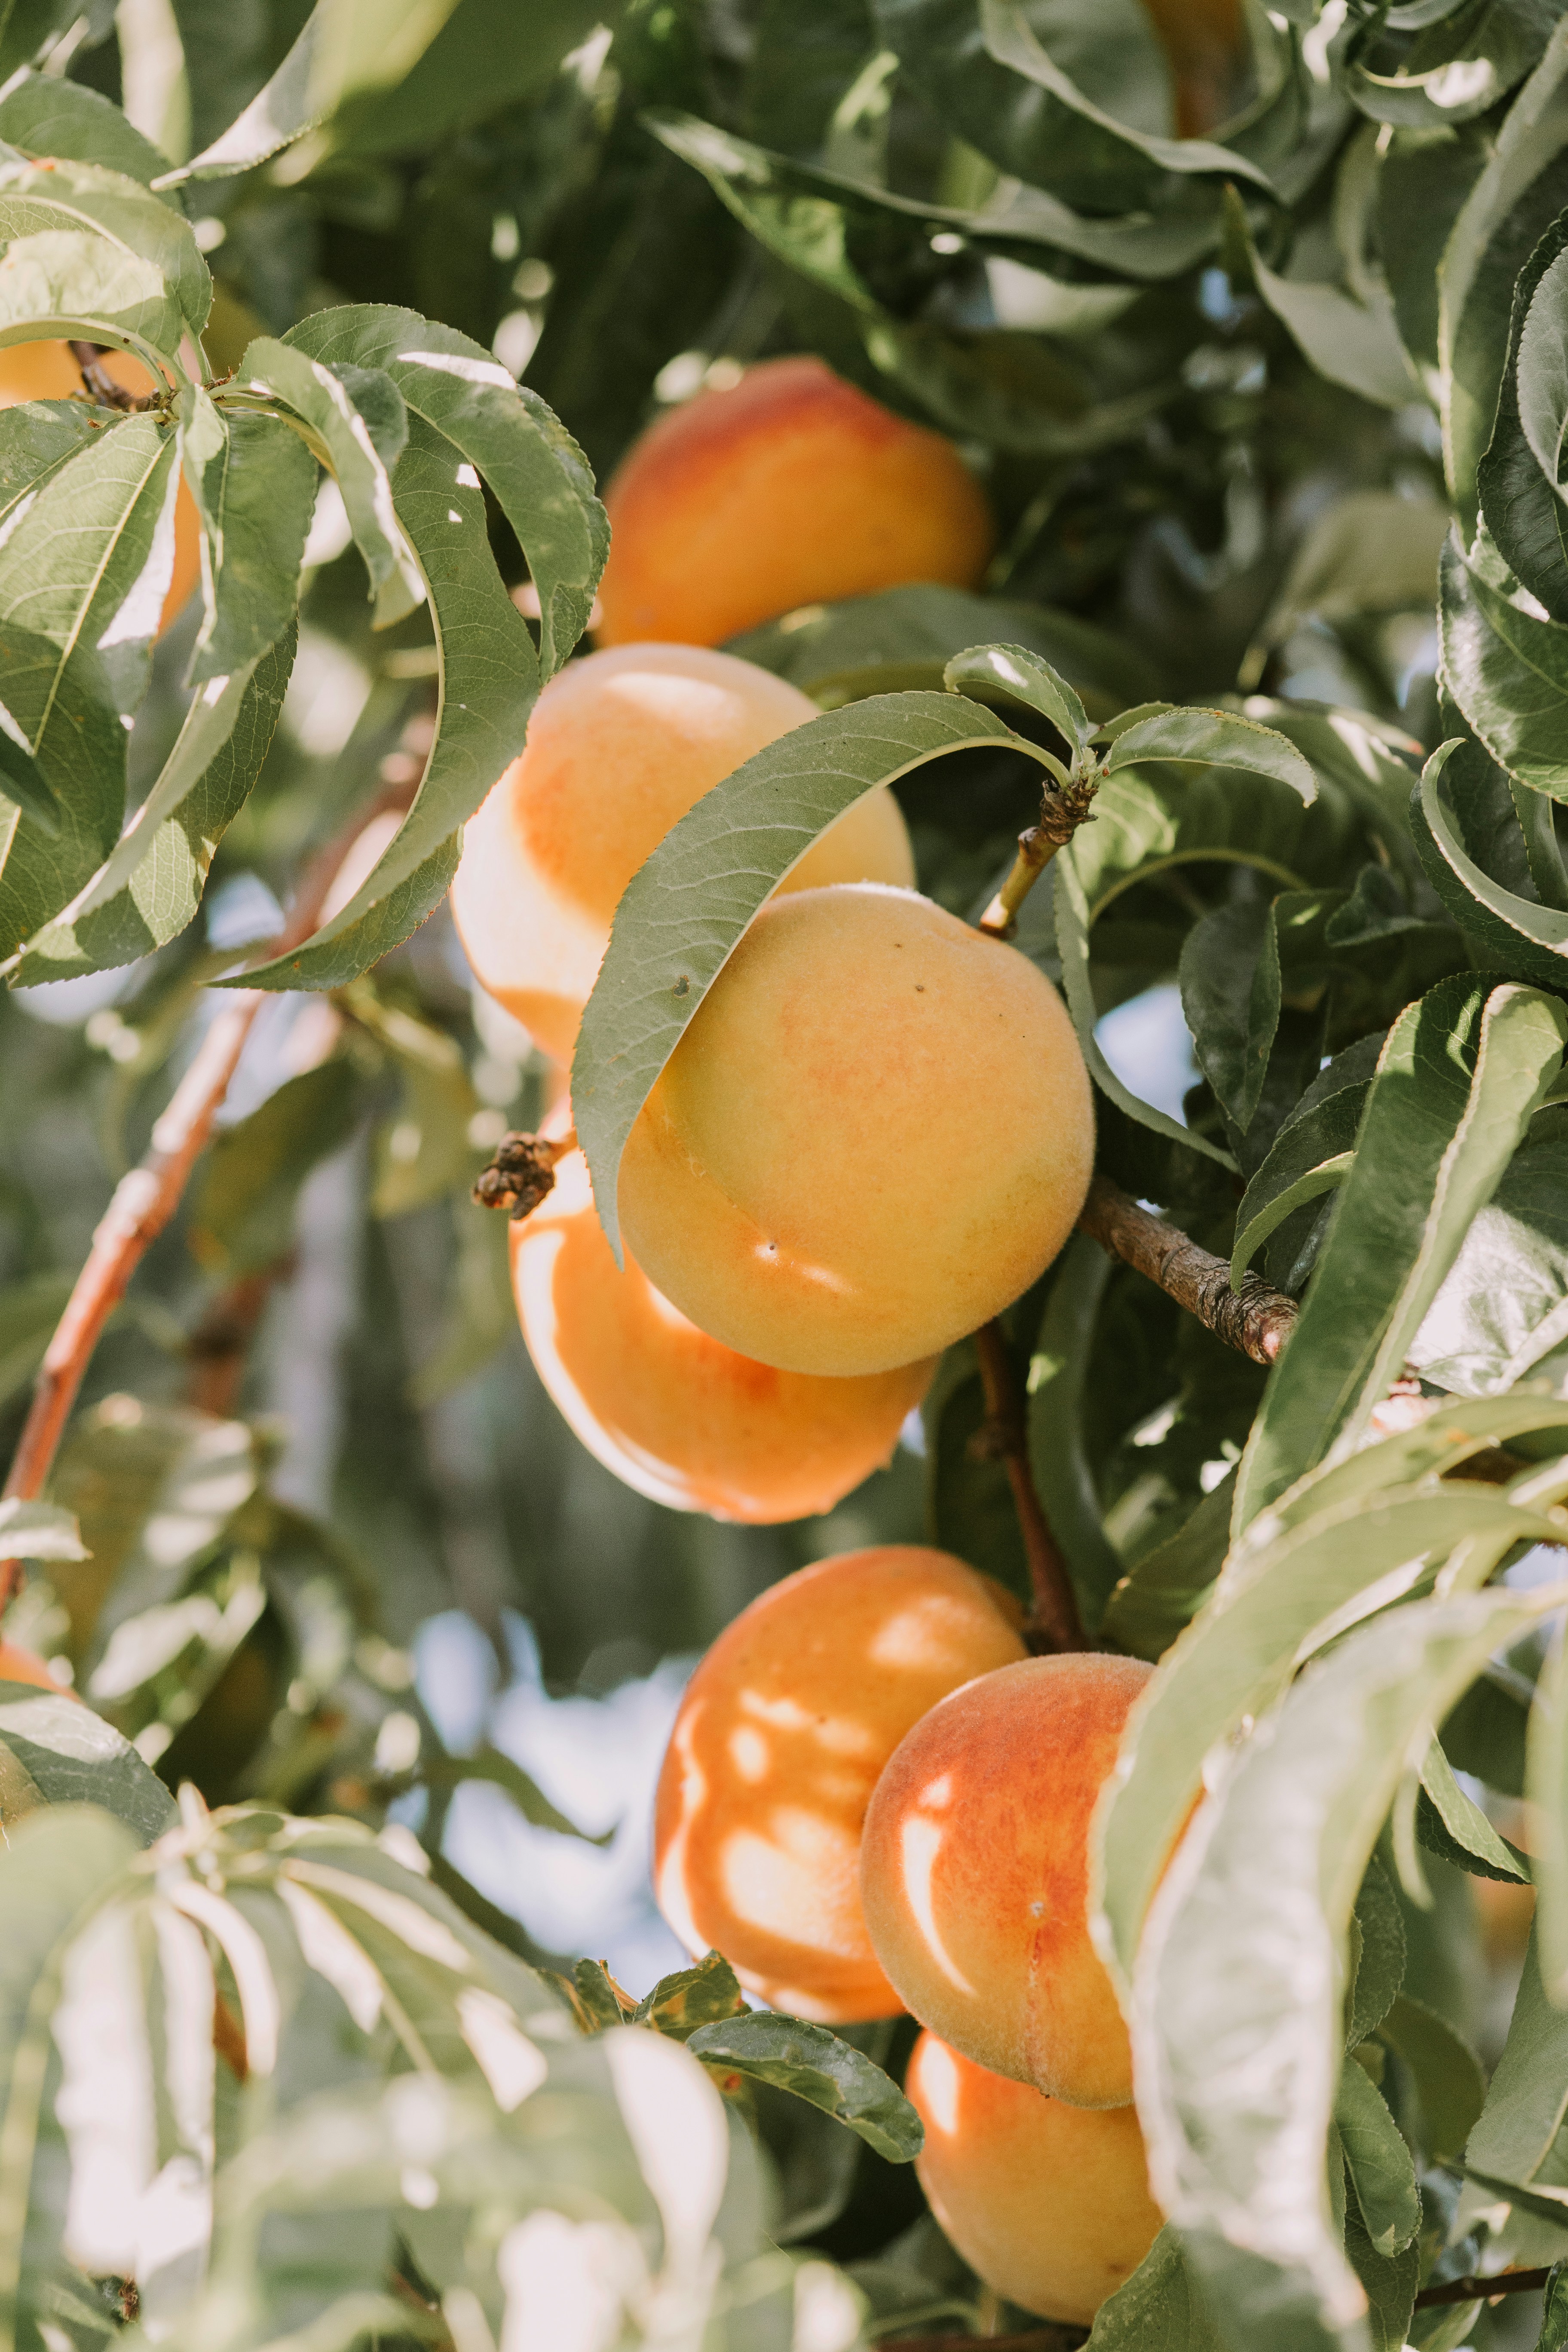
(1049, 2204)
(48, 370)
(782, 1733)
(974, 1873)
(674, 1413)
(620, 746)
(19, 1665)
(791, 488)
(875, 1133)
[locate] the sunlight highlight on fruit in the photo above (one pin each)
(790, 489)
(974, 1873)
(782, 1732)
(620, 745)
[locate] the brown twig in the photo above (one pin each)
(522, 1173)
(146, 1200)
(1255, 1318)
(217, 1347)
(102, 387)
(1053, 1623)
(1482, 2290)
(1064, 807)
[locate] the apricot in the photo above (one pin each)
(46, 370)
(781, 1736)
(1049, 2204)
(678, 1415)
(974, 1873)
(19, 1665)
(620, 745)
(875, 1133)
(791, 488)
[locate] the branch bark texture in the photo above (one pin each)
(1258, 1319)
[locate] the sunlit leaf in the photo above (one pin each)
(818, 2066)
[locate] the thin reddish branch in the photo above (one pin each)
(1053, 1622)
(1257, 1319)
(146, 1200)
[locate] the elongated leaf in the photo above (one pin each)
(1466, 1829)
(1521, 504)
(1450, 2079)
(1429, 1151)
(1236, 2149)
(86, 203)
(1214, 739)
(254, 482)
(1542, 386)
(706, 1994)
(1546, 1782)
(1380, 2164)
(1508, 671)
(1554, 2333)
(683, 914)
(39, 1531)
(46, 115)
(1354, 343)
(1160, 1593)
(1528, 2096)
(1025, 677)
(1379, 1956)
(540, 476)
(150, 885)
(1520, 933)
(1157, 2309)
(816, 2065)
(243, 1211)
(73, 1757)
(489, 678)
(355, 434)
(1230, 999)
(1059, 1396)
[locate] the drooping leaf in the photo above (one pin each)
(818, 2066)
(1230, 999)
(254, 482)
(706, 1994)
(1522, 935)
(1520, 500)
(1162, 1592)
(1507, 669)
(1380, 1953)
(48, 115)
(1022, 677)
(359, 437)
(1058, 1393)
(1354, 343)
(1528, 2096)
(1380, 2164)
(64, 204)
(73, 1757)
(1546, 1772)
(1453, 1824)
(1433, 1142)
(683, 914)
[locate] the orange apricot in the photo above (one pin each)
(674, 1413)
(790, 489)
(781, 1736)
(19, 1665)
(48, 370)
(974, 1873)
(620, 746)
(1049, 2204)
(876, 1132)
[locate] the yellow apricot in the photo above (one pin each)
(781, 1736)
(791, 488)
(875, 1133)
(48, 370)
(674, 1413)
(19, 1665)
(974, 1873)
(1049, 2204)
(620, 746)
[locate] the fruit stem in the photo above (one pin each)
(522, 1173)
(1257, 1319)
(144, 1200)
(1053, 1623)
(1063, 808)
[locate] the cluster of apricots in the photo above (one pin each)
(874, 1800)
(810, 1211)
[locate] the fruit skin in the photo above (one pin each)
(791, 488)
(19, 1665)
(974, 1873)
(619, 747)
(1049, 2204)
(876, 1132)
(676, 1415)
(783, 1731)
(46, 370)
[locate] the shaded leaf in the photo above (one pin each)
(1450, 2079)
(1354, 343)
(1380, 2164)
(1162, 1592)
(242, 1214)
(1546, 1778)
(1058, 1394)
(1521, 935)
(1215, 738)
(1157, 2309)
(1528, 2096)
(1465, 1836)
(818, 2066)
(1230, 1001)
(1508, 670)
(704, 1994)
(361, 433)
(1380, 1955)
(1522, 503)
(73, 1757)
(117, 231)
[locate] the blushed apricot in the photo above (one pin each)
(791, 488)
(782, 1733)
(620, 746)
(875, 1133)
(48, 370)
(1049, 2204)
(974, 1873)
(19, 1665)
(674, 1413)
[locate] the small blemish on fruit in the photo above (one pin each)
(683, 986)
(920, 988)
(1036, 1910)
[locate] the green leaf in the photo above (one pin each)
(39, 1531)
(1373, 552)
(1020, 676)
(1059, 1402)
(47, 115)
(1508, 671)
(1546, 1778)
(1466, 1829)
(1380, 2164)
(1522, 506)
(1554, 2333)
(1543, 373)
(1216, 739)
(1354, 343)
(1162, 1592)
(254, 482)
(489, 678)
(30, 1310)
(491, 1765)
(242, 1214)
(72, 1757)
(67, 206)
(538, 475)
(1230, 1002)
(1528, 2096)
(1481, 52)
(682, 916)
(150, 887)
(1380, 1955)
(1237, 2152)
(1449, 2078)
(356, 435)
(816, 2065)
(1522, 935)
(1157, 2309)
(1389, 2282)
(706, 1994)
(1457, 1084)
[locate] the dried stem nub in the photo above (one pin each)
(522, 1173)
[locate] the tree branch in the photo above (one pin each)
(1482, 2290)
(1258, 1319)
(1053, 1623)
(102, 387)
(146, 1200)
